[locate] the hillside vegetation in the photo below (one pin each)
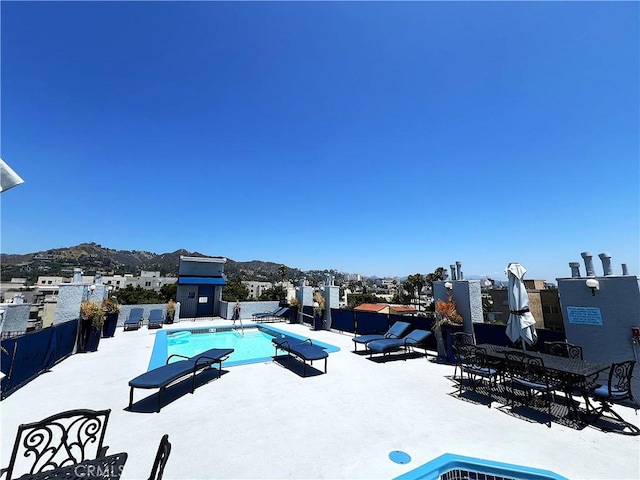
(92, 258)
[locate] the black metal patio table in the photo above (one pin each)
(569, 371)
(572, 366)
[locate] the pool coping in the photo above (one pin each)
(160, 347)
(450, 464)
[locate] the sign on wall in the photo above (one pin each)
(584, 315)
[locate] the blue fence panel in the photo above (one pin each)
(368, 322)
(497, 335)
(343, 320)
(425, 323)
(65, 339)
(398, 318)
(25, 357)
(545, 335)
(489, 333)
(308, 315)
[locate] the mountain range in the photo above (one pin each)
(92, 258)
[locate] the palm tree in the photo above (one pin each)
(414, 285)
(283, 274)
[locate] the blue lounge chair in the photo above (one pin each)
(302, 349)
(259, 315)
(165, 375)
(395, 331)
(135, 319)
(155, 318)
(271, 315)
(416, 338)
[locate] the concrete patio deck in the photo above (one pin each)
(263, 421)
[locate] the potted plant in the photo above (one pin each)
(446, 316)
(171, 311)
(294, 306)
(91, 322)
(318, 311)
(111, 309)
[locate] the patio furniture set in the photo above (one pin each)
(526, 375)
(69, 445)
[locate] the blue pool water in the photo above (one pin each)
(251, 345)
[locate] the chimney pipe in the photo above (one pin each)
(606, 264)
(445, 274)
(575, 269)
(625, 271)
(459, 270)
(453, 272)
(77, 275)
(588, 264)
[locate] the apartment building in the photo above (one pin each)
(150, 280)
(544, 304)
(256, 288)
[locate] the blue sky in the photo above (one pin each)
(383, 138)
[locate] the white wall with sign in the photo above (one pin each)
(602, 323)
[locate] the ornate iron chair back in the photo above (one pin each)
(619, 381)
(563, 349)
(525, 367)
(164, 449)
(57, 441)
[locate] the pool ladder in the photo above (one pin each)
(241, 326)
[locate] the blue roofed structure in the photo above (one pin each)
(200, 282)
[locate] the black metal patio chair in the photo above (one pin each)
(528, 374)
(57, 441)
(474, 362)
(458, 341)
(164, 449)
(617, 389)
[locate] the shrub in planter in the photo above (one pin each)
(111, 309)
(171, 311)
(91, 322)
(446, 315)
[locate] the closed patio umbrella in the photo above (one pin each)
(521, 324)
(8, 178)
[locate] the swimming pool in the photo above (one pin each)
(251, 344)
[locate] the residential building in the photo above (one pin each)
(386, 308)
(256, 288)
(544, 304)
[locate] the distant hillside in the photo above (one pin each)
(92, 258)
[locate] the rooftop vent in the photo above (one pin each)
(588, 264)
(575, 269)
(606, 264)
